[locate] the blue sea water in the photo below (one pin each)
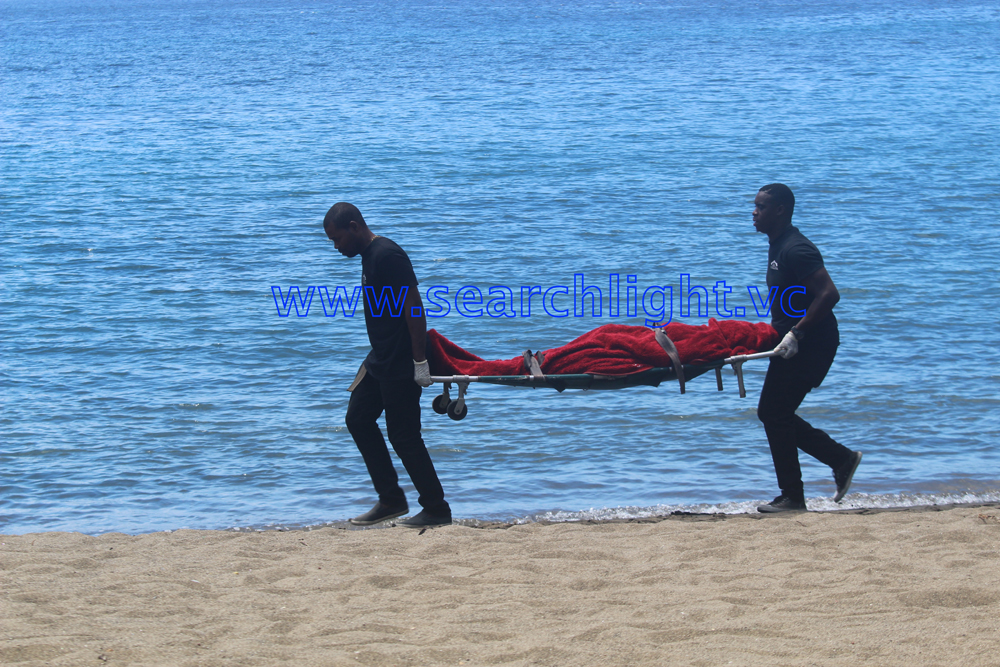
(165, 162)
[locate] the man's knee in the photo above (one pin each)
(407, 446)
(764, 414)
(761, 414)
(404, 434)
(352, 422)
(770, 412)
(359, 420)
(402, 418)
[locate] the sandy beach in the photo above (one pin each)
(913, 587)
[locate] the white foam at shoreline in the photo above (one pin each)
(854, 501)
(823, 504)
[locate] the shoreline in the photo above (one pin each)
(490, 524)
(707, 516)
(677, 515)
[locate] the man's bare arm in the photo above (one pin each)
(827, 296)
(416, 325)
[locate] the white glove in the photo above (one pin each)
(422, 373)
(788, 346)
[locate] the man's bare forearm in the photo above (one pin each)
(417, 326)
(827, 297)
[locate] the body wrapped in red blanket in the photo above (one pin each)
(614, 349)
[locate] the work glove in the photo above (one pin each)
(788, 346)
(422, 373)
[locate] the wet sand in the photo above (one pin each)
(913, 587)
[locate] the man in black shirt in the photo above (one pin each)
(802, 299)
(392, 375)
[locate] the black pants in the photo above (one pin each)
(785, 386)
(400, 399)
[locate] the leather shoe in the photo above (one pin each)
(783, 504)
(379, 513)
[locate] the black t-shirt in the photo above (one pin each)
(791, 258)
(385, 271)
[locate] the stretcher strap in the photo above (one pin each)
(533, 363)
(671, 350)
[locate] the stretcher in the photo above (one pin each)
(457, 408)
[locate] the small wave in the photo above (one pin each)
(854, 501)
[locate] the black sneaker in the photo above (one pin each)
(425, 520)
(844, 476)
(379, 513)
(783, 504)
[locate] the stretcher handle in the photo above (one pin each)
(737, 363)
(740, 358)
(454, 378)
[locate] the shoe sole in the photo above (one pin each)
(847, 485)
(355, 522)
(426, 525)
(767, 509)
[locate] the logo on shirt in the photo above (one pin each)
(774, 264)
(364, 281)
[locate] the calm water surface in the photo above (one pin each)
(164, 163)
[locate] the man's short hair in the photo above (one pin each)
(782, 195)
(341, 214)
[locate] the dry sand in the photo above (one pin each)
(915, 587)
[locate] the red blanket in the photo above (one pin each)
(614, 349)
